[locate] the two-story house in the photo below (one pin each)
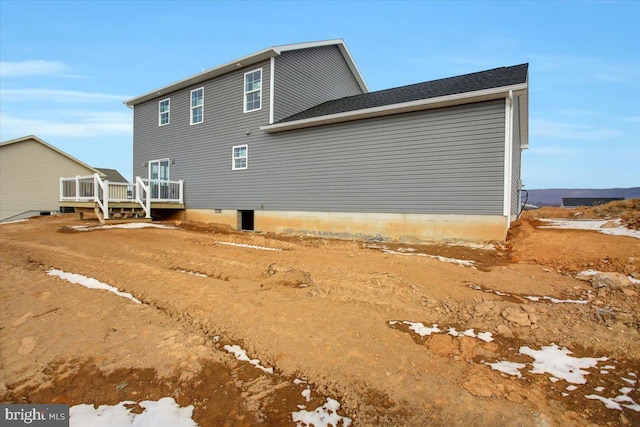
(290, 139)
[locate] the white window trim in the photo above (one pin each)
(234, 158)
(244, 87)
(168, 112)
(191, 108)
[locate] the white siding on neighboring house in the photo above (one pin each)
(30, 174)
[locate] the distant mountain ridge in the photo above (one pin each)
(553, 196)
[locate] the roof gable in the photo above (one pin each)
(112, 175)
(51, 147)
(246, 61)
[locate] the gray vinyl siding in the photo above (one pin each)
(516, 159)
(201, 153)
(443, 161)
(308, 77)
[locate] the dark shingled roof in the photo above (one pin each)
(113, 175)
(489, 79)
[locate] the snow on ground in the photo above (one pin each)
(578, 224)
(90, 283)
(244, 245)
(535, 298)
(423, 330)
(556, 300)
(510, 368)
(418, 327)
(412, 252)
(557, 362)
(323, 416)
(242, 355)
(163, 412)
(194, 273)
(129, 225)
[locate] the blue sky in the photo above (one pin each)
(67, 67)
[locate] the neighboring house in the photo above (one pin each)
(112, 175)
(574, 202)
(30, 171)
(290, 139)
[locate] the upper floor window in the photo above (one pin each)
(197, 106)
(240, 157)
(253, 90)
(163, 112)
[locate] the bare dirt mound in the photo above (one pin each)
(340, 316)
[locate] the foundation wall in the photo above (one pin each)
(404, 227)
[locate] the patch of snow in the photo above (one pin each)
(599, 389)
(632, 382)
(506, 367)
(632, 374)
(128, 226)
(164, 412)
(603, 372)
(194, 273)
(90, 283)
(242, 355)
(571, 387)
(556, 300)
(418, 327)
(591, 225)
(635, 281)
(306, 393)
(323, 416)
(557, 362)
(244, 245)
(609, 403)
(484, 336)
(464, 262)
(608, 367)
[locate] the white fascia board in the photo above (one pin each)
(306, 45)
(205, 75)
(272, 74)
(405, 107)
(508, 155)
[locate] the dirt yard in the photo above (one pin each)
(383, 328)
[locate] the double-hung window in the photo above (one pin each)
(163, 112)
(240, 157)
(253, 90)
(197, 106)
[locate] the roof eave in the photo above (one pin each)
(57, 150)
(404, 107)
(248, 60)
(245, 61)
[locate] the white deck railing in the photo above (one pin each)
(92, 188)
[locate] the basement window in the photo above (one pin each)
(240, 157)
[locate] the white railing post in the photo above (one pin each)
(77, 188)
(106, 194)
(181, 191)
(61, 189)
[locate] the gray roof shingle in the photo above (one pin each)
(489, 79)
